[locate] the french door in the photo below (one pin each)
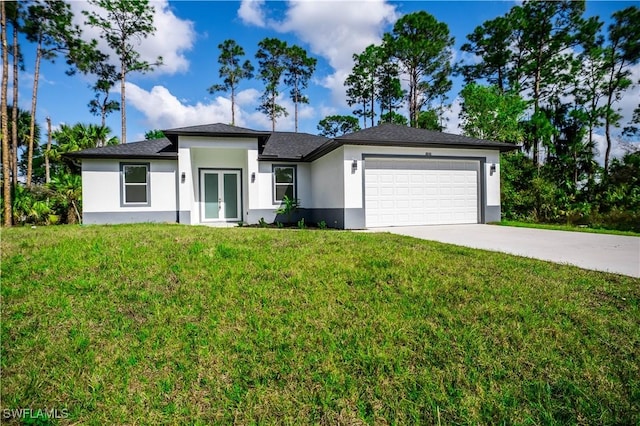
(220, 196)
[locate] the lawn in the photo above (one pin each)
(572, 228)
(168, 324)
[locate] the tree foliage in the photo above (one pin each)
(488, 113)
(122, 24)
(334, 126)
(232, 71)
(421, 45)
(271, 57)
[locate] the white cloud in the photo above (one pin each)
(172, 39)
(163, 110)
(333, 29)
(251, 12)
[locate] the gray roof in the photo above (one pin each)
(215, 128)
(291, 146)
(396, 134)
(388, 134)
(152, 149)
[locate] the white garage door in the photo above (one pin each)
(421, 192)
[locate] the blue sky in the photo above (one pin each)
(188, 33)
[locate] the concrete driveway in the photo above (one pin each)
(600, 252)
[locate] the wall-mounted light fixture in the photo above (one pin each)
(253, 177)
(492, 169)
(354, 166)
(183, 177)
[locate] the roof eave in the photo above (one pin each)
(173, 156)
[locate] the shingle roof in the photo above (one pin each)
(215, 128)
(394, 133)
(156, 148)
(292, 146)
(388, 134)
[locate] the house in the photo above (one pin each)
(387, 175)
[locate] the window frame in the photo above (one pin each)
(124, 184)
(274, 184)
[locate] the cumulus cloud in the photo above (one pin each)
(334, 30)
(251, 12)
(172, 39)
(164, 110)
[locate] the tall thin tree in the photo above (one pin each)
(298, 72)
(125, 23)
(421, 45)
(6, 161)
(232, 71)
(49, 25)
(271, 60)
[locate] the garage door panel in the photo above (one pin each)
(421, 192)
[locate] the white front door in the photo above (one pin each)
(220, 196)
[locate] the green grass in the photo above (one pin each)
(571, 228)
(156, 324)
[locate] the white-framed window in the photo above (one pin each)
(284, 182)
(135, 184)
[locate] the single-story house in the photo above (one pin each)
(388, 175)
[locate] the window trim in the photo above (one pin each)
(273, 181)
(123, 185)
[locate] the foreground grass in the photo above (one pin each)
(172, 324)
(565, 228)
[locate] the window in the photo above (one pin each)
(284, 182)
(135, 184)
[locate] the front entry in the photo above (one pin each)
(220, 199)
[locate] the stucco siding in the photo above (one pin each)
(102, 188)
(327, 181)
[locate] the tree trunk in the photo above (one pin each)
(47, 175)
(536, 100)
(607, 133)
(123, 74)
(4, 117)
(14, 112)
(32, 125)
(233, 106)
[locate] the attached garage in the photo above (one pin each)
(401, 192)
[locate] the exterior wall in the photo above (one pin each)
(101, 192)
(354, 180)
(261, 203)
(196, 152)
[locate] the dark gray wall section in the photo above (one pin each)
(92, 218)
(334, 218)
(492, 214)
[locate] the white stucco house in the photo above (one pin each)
(387, 175)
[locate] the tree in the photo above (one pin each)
(622, 52)
(334, 126)
(490, 41)
(49, 25)
(14, 14)
(487, 113)
(389, 91)
(231, 71)
(545, 31)
(154, 134)
(430, 120)
(106, 78)
(422, 47)
(271, 57)
(394, 118)
(358, 94)
(298, 71)
(77, 137)
(125, 22)
(6, 161)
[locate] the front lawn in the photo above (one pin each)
(156, 324)
(571, 228)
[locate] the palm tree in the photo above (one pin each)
(67, 188)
